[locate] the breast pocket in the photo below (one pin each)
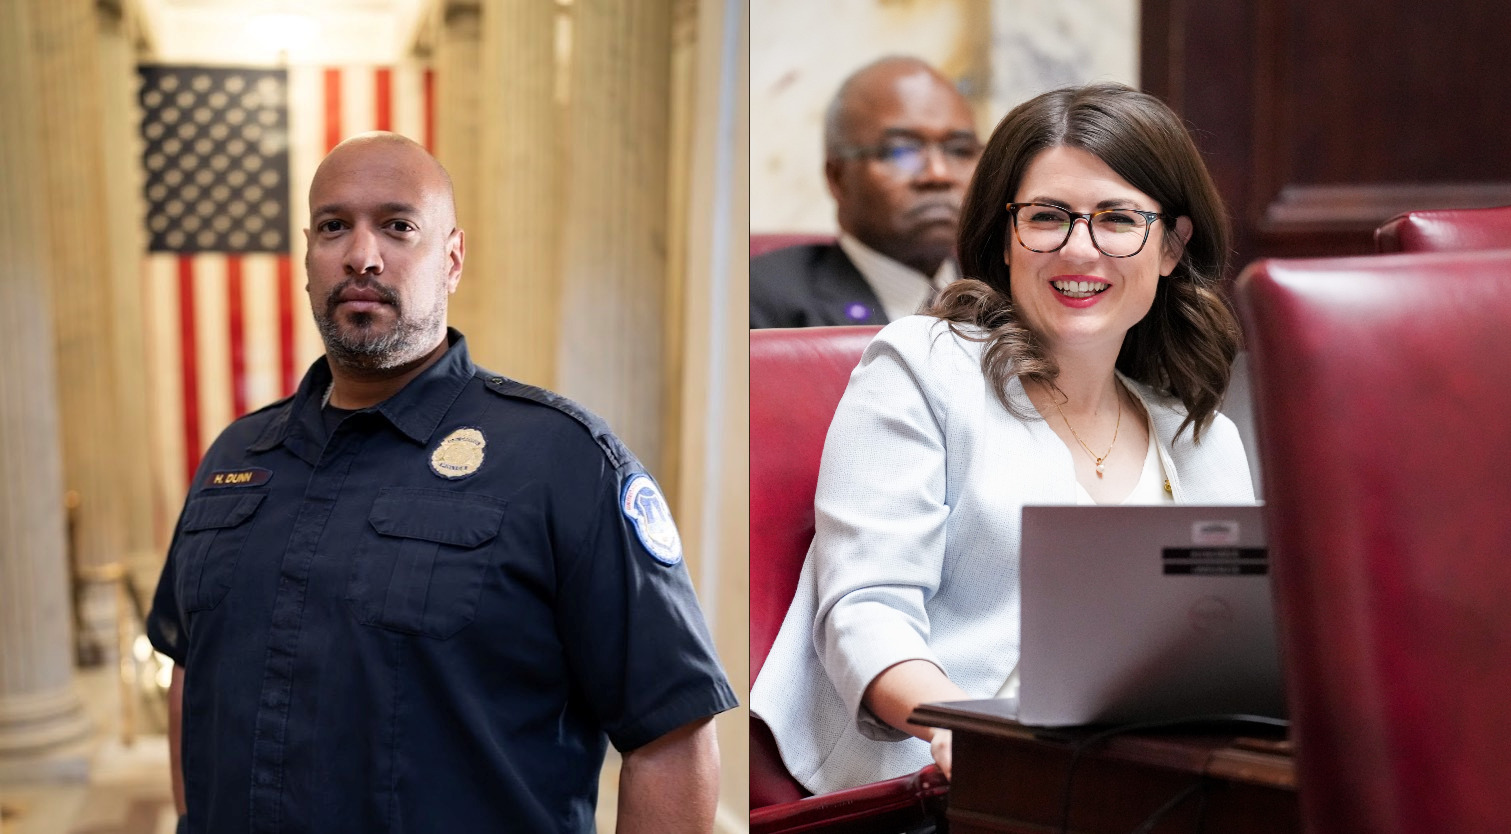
(214, 529)
(424, 569)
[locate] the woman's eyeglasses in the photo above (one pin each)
(1116, 233)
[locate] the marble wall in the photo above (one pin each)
(1000, 52)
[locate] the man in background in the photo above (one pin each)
(900, 146)
(418, 596)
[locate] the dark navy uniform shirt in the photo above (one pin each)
(430, 618)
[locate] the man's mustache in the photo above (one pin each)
(386, 294)
(932, 206)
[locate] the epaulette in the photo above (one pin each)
(268, 437)
(618, 454)
(270, 406)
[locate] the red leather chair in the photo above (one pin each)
(796, 378)
(1383, 406)
(1446, 230)
(760, 244)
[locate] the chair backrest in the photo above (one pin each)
(1383, 404)
(760, 244)
(796, 378)
(1446, 230)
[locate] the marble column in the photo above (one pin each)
(459, 100)
(512, 271)
(39, 706)
(711, 210)
(122, 186)
(611, 345)
(456, 58)
(85, 302)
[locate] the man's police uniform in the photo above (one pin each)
(427, 615)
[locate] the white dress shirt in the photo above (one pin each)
(901, 289)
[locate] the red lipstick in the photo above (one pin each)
(1078, 291)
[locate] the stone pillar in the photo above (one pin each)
(122, 185)
(512, 268)
(555, 124)
(459, 102)
(457, 56)
(611, 342)
(711, 204)
(39, 707)
(72, 200)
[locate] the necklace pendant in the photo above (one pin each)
(1099, 469)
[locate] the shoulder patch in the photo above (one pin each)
(642, 504)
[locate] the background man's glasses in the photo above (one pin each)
(1116, 233)
(907, 156)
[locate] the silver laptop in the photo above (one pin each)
(1146, 613)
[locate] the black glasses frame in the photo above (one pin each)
(879, 151)
(1091, 229)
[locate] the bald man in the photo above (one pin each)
(899, 149)
(417, 596)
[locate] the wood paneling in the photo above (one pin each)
(1322, 120)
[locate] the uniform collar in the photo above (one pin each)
(415, 411)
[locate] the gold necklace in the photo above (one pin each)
(1073, 433)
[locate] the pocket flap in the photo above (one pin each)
(211, 512)
(453, 518)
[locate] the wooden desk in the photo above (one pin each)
(1008, 778)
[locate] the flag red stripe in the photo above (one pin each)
(236, 328)
(383, 92)
(332, 108)
(188, 350)
(428, 94)
(286, 325)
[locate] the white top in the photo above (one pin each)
(918, 519)
(1150, 488)
(901, 289)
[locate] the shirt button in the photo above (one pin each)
(498, 380)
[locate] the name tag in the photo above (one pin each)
(253, 476)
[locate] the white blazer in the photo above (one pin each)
(915, 552)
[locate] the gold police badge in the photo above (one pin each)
(459, 454)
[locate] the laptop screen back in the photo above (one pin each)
(1146, 613)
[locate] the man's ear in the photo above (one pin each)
(834, 172)
(456, 253)
(1175, 244)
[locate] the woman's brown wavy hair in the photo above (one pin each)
(1185, 346)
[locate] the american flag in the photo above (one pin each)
(228, 153)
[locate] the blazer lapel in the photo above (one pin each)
(842, 294)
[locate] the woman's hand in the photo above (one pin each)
(940, 747)
(898, 690)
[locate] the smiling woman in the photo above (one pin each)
(1110, 147)
(1071, 365)
(1069, 289)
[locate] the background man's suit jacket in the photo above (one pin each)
(810, 286)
